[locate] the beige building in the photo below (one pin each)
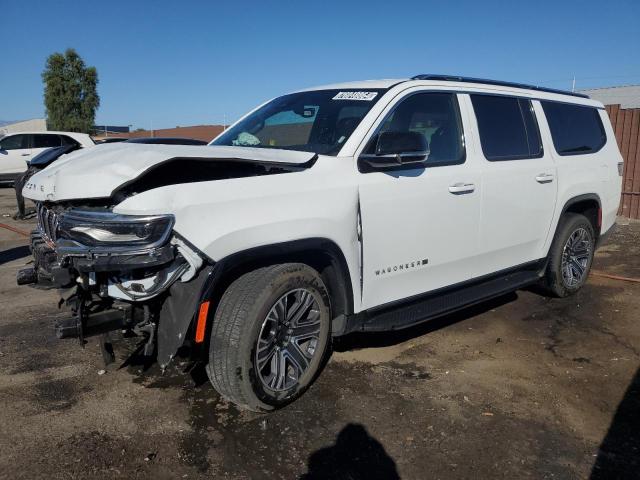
(35, 125)
(627, 96)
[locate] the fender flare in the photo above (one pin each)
(567, 205)
(578, 199)
(294, 250)
(581, 198)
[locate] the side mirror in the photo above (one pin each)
(397, 148)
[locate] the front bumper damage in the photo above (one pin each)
(149, 292)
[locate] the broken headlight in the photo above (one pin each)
(99, 229)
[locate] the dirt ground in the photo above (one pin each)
(520, 387)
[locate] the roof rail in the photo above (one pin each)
(454, 78)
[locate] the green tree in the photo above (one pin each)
(70, 92)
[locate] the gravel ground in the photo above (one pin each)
(520, 387)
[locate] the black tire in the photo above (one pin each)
(238, 322)
(554, 281)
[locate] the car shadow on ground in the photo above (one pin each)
(355, 455)
(358, 340)
(14, 253)
(619, 452)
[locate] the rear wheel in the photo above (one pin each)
(269, 336)
(570, 256)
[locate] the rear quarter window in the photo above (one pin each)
(68, 140)
(575, 129)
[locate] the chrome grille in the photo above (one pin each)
(47, 223)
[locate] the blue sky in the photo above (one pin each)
(168, 63)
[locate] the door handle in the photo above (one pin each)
(460, 188)
(545, 178)
(26, 154)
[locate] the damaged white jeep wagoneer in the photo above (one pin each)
(364, 206)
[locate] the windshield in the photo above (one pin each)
(318, 121)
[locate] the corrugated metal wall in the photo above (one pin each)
(626, 125)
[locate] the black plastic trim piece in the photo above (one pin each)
(123, 262)
(9, 177)
(581, 198)
(454, 78)
(178, 312)
(287, 251)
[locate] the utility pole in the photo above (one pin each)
(573, 85)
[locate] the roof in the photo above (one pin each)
(627, 96)
(499, 83)
(467, 84)
(53, 132)
(82, 138)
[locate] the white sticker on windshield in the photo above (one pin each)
(364, 96)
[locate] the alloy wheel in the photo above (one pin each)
(288, 340)
(576, 255)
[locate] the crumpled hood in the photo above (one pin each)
(96, 172)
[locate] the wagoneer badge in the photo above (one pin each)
(403, 267)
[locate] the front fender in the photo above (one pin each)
(224, 217)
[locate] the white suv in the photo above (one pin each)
(364, 206)
(16, 149)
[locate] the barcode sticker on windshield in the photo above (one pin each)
(364, 96)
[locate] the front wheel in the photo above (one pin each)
(570, 256)
(269, 336)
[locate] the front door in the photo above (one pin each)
(420, 225)
(15, 151)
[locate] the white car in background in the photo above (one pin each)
(16, 149)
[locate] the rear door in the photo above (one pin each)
(420, 225)
(15, 151)
(519, 182)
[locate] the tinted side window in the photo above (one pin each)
(14, 142)
(434, 115)
(575, 129)
(46, 141)
(508, 127)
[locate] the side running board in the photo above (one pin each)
(440, 303)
